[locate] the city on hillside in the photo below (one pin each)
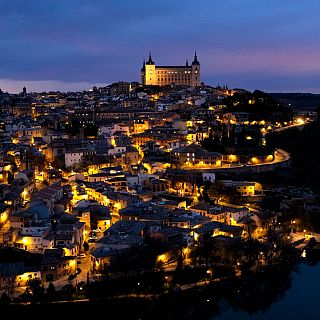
(143, 188)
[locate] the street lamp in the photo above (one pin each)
(209, 273)
(166, 281)
(138, 287)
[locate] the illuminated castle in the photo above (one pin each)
(167, 75)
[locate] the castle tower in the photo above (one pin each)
(195, 78)
(148, 72)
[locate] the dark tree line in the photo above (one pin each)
(303, 145)
(262, 106)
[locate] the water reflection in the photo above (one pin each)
(251, 293)
(279, 293)
(295, 297)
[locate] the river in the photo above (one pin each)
(299, 302)
(283, 296)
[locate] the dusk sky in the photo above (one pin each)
(272, 45)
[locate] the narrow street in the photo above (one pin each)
(83, 263)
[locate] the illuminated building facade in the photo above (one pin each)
(168, 75)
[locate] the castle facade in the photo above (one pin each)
(168, 75)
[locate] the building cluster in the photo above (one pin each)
(122, 166)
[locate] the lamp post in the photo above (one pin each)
(260, 259)
(138, 284)
(209, 273)
(238, 268)
(166, 281)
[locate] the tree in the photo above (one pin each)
(86, 246)
(37, 290)
(68, 291)
(26, 296)
(5, 299)
(276, 244)
(302, 146)
(51, 292)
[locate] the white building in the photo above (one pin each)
(243, 188)
(116, 150)
(36, 239)
(72, 158)
(208, 176)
